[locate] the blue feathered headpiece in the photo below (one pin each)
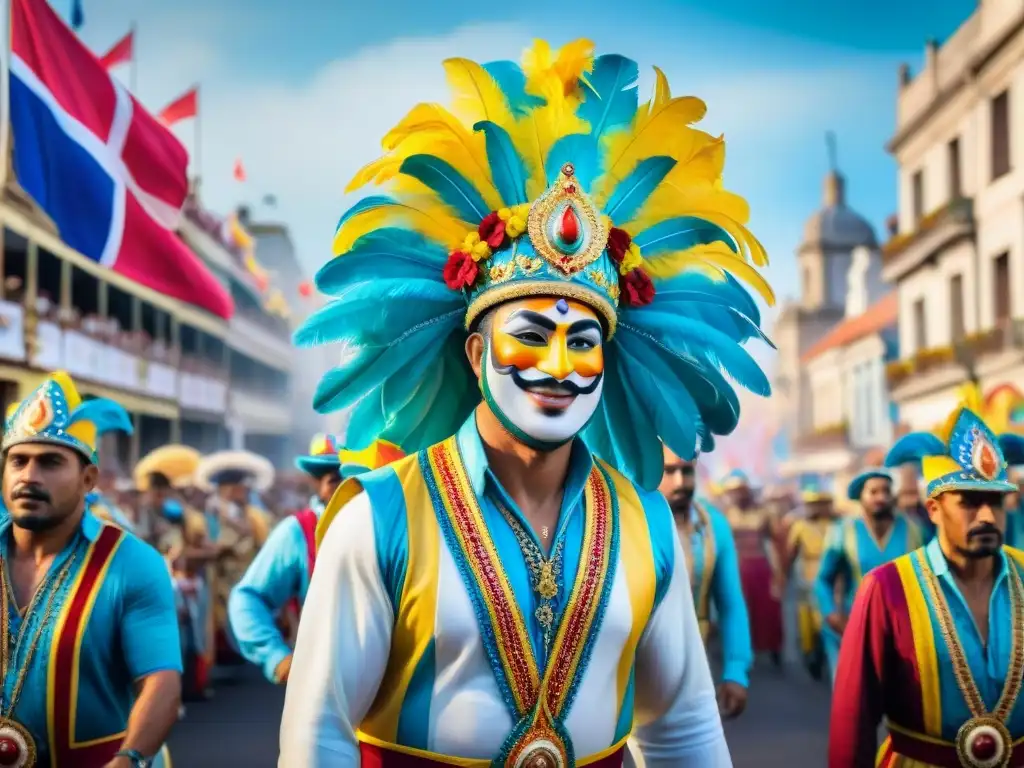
(55, 413)
(964, 454)
(547, 180)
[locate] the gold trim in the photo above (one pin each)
(550, 204)
(523, 289)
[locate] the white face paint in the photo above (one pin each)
(544, 368)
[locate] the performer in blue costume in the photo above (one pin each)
(714, 578)
(101, 505)
(563, 265)
(281, 571)
(856, 545)
(90, 657)
(935, 643)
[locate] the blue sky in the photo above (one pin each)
(302, 91)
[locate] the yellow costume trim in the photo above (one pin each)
(470, 762)
(924, 643)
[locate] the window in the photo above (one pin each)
(917, 196)
(920, 328)
(1000, 117)
(955, 181)
(956, 308)
(1001, 288)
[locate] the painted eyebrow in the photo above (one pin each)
(534, 317)
(580, 326)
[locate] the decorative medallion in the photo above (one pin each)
(984, 458)
(984, 742)
(37, 416)
(17, 748)
(539, 748)
(565, 227)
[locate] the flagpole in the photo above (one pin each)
(133, 82)
(5, 95)
(197, 144)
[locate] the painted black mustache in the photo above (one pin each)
(558, 387)
(32, 493)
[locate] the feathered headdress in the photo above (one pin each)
(964, 454)
(547, 179)
(55, 413)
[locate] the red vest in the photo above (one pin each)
(307, 520)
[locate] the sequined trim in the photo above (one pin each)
(523, 289)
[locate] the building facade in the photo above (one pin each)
(957, 260)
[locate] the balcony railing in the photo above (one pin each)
(935, 231)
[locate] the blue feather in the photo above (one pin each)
(1012, 447)
(582, 151)
(377, 312)
(107, 415)
(507, 167)
(678, 234)
(914, 447)
(347, 384)
(366, 204)
(728, 291)
(512, 81)
(383, 253)
(611, 101)
(634, 190)
(450, 185)
(440, 414)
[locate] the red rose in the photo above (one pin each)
(460, 271)
(492, 230)
(637, 289)
(618, 244)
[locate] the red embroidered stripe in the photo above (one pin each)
(64, 683)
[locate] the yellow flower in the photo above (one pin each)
(631, 260)
(522, 211)
(607, 221)
(480, 251)
(471, 241)
(514, 227)
(504, 213)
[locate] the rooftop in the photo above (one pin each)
(879, 316)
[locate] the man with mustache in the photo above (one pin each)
(714, 578)
(90, 656)
(513, 592)
(856, 545)
(935, 641)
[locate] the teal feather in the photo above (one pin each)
(582, 151)
(1012, 447)
(377, 311)
(107, 415)
(678, 234)
(366, 420)
(610, 103)
(441, 416)
(366, 204)
(634, 190)
(400, 390)
(715, 312)
(407, 402)
(450, 185)
(512, 81)
(627, 424)
(342, 386)
(383, 254)
(507, 167)
(687, 337)
(728, 290)
(913, 448)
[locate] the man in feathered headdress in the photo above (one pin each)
(88, 615)
(805, 542)
(935, 642)
(281, 571)
(760, 570)
(856, 544)
(555, 263)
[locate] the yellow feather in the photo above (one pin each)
(574, 61)
(476, 96)
(424, 215)
(662, 93)
(536, 63)
(714, 254)
(656, 132)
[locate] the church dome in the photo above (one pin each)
(836, 225)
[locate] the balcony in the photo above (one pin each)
(270, 346)
(827, 437)
(260, 411)
(938, 230)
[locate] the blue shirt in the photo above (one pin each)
(132, 632)
(851, 550)
(989, 664)
(1013, 536)
(724, 591)
(279, 573)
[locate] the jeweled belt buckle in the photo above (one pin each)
(17, 747)
(984, 742)
(541, 753)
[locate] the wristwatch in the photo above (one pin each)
(137, 758)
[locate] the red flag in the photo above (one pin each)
(239, 172)
(121, 52)
(107, 173)
(182, 108)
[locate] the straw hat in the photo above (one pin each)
(177, 462)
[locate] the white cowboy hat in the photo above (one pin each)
(241, 466)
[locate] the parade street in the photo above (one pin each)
(786, 724)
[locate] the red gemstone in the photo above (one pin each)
(989, 465)
(984, 746)
(570, 226)
(570, 189)
(10, 751)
